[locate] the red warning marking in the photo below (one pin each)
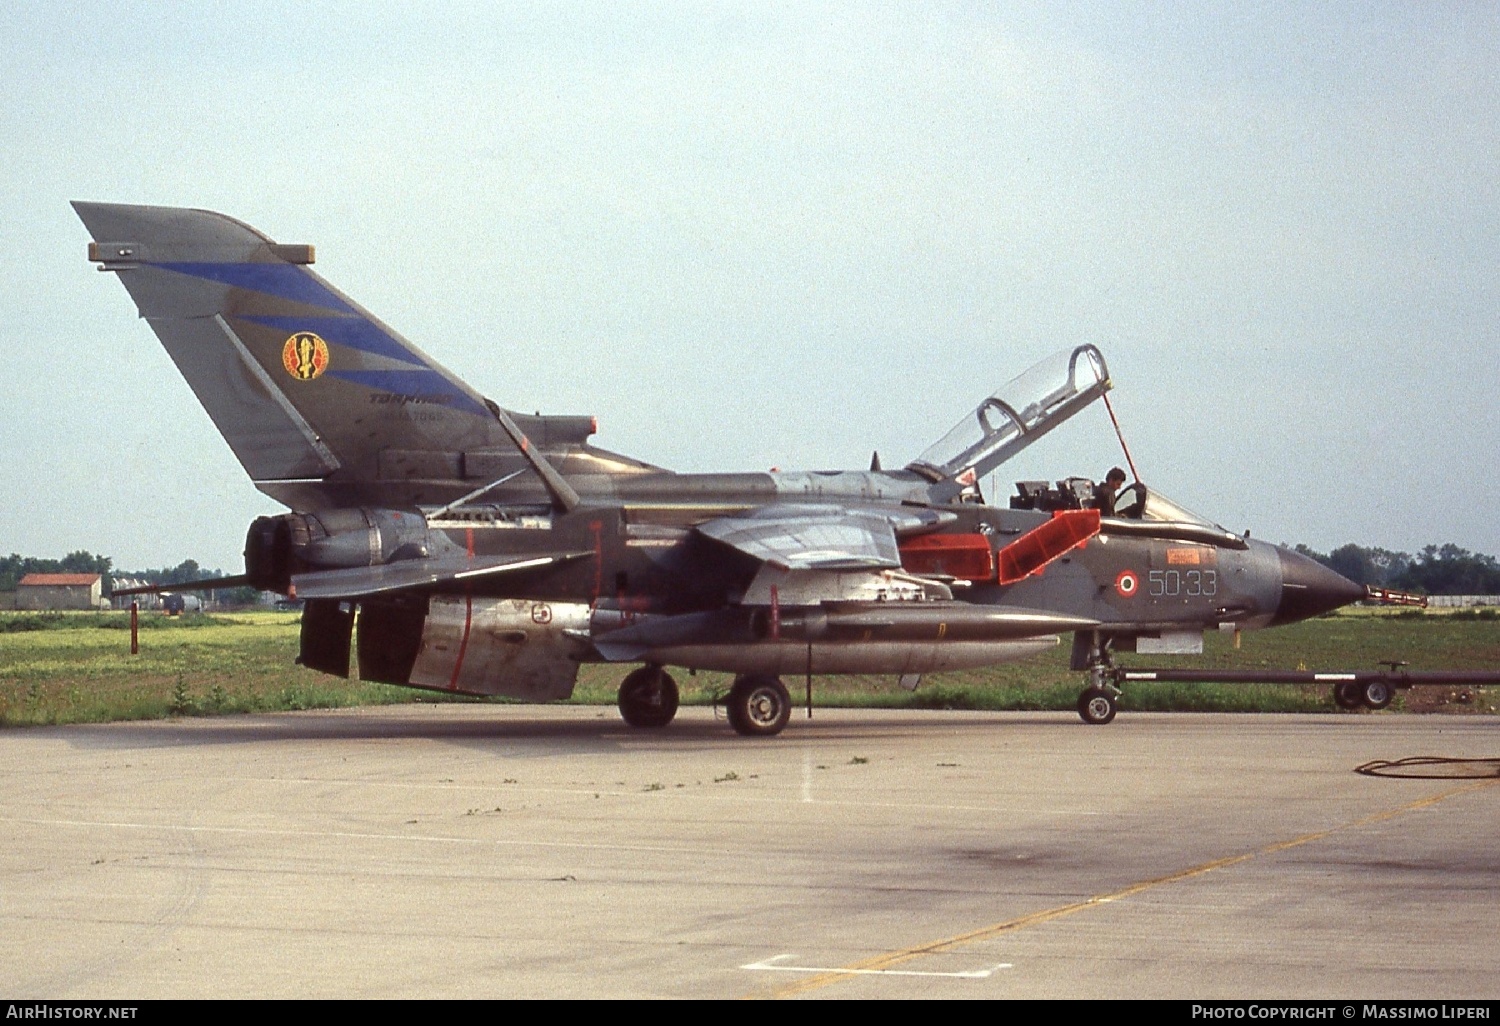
(968, 557)
(463, 644)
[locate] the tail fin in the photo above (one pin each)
(323, 404)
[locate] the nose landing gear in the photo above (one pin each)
(1097, 704)
(1100, 700)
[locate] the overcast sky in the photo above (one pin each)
(755, 235)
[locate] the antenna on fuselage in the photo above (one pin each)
(471, 496)
(564, 497)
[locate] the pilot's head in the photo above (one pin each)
(1115, 478)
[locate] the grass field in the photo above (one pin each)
(77, 667)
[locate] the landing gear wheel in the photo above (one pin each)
(759, 706)
(1348, 695)
(1377, 694)
(648, 697)
(1096, 705)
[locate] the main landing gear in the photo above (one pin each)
(648, 697)
(758, 704)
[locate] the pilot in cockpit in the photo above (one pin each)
(1106, 490)
(1107, 497)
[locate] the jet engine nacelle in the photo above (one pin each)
(521, 648)
(278, 547)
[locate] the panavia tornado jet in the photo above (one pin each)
(450, 543)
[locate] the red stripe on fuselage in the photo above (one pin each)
(463, 644)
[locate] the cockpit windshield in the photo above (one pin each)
(1145, 504)
(1017, 415)
(1137, 511)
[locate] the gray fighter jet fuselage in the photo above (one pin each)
(487, 552)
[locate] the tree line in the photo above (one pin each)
(15, 566)
(1436, 570)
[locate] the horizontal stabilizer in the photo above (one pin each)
(211, 584)
(415, 573)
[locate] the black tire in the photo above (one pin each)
(648, 697)
(1096, 706)
(759, 706)
(1377, 694)
(1347, 694)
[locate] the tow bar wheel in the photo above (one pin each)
(1348, 694)
(1377, 694)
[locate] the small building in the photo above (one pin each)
(60, 591)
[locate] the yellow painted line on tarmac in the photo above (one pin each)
(948, 944)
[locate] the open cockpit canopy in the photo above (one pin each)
(1018, 414)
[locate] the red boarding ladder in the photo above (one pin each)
(1028, 554)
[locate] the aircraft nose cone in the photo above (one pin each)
(1309, 588)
